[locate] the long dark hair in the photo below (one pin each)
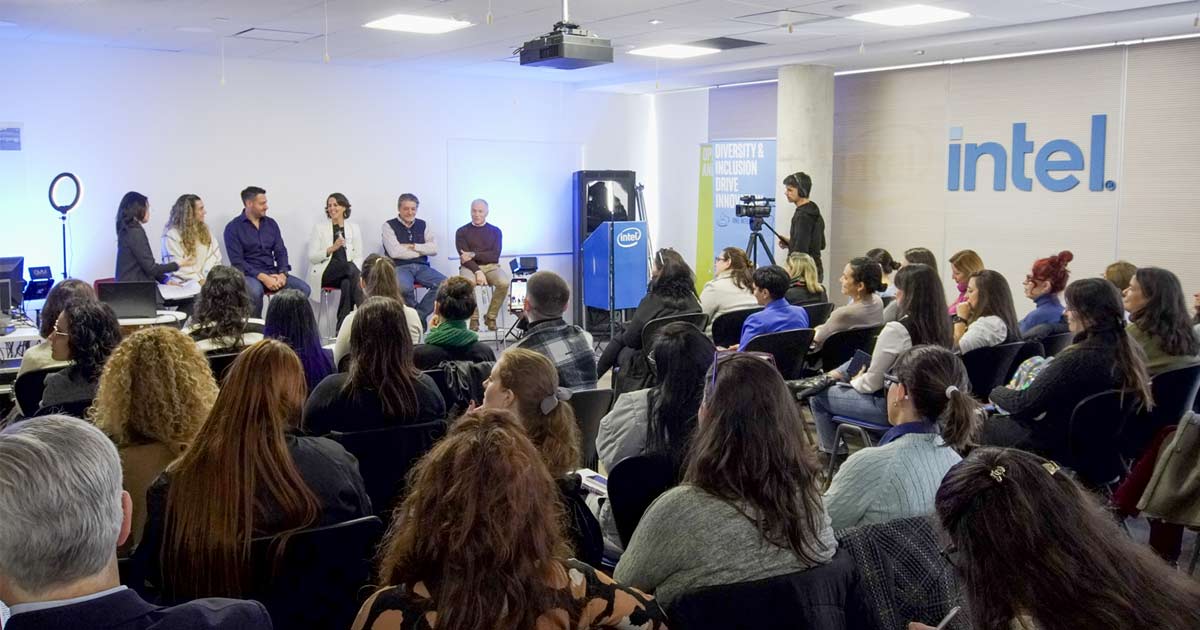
(673, 280)
(681, 357)
(751, 451)
(290, 319)
(223, 307)
(995, 299)
(94, 333)
(924, 304)
(131, 210)
(1098, 304)
(740, 268)
(920, 255)
(928, 374)
(1165, 316)
(1031, 542)
(381, 357)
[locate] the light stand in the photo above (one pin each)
(63, 209)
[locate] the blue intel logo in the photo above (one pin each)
(1046, 166)
(629, 237)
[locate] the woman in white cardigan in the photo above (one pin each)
(732, 288)
(335, 255)
(987, 318)
(187, 240)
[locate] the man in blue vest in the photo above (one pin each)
(409, 244)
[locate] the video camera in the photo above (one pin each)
(754, 206)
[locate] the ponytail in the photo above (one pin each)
(960, 418)
(939, 388)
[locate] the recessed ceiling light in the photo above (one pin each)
(417, 24)
(674, 51)
(193, 29)
(910, 15)
(656, 21)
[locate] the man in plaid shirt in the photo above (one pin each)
(569, 347)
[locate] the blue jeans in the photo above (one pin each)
(428, 277)
(841, 400)
(257, 291)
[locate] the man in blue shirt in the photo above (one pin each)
(770, 285)
(255, 247)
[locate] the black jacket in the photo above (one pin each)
(798, 294)
(135, 259)
(626, 350)
(427, 356)
(125, 610)
(331, 408)
(807, 234)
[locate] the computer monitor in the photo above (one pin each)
(5, 299)
(12, 268)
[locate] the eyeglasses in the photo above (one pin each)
(59, 333)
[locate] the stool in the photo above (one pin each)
(483, 301)
(327, 312)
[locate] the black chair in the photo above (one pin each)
(1057, 343)
(650, 330)
(1093, 450)
(343, 366)
(988, 367)
(315, 578)
(443, 385)
(868, 433)
(818, 313)
(789, 347)
(633, 484)
(727, 327)
(590, 406)
(840, 346)
(386, 455)
(29, 386)
(1174, 393)
(887, 300)
(1029, 350)
(75, 408)
(220, 362)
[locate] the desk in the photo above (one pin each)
(19, 339)
(164, 318)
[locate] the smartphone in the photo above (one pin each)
(516, 294)
(859, 361)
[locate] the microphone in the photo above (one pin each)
(339, 231)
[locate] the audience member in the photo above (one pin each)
(255, 247)
(85, 334)
(1120, 273)
(672, 292)
(912, 256)
(383, 388)
(248, 473)
(65, 514)
(39, 357)
(1159, 320)
(804, 287)
(135, 259)
(222, 321)
(963, 264)
(335, 255)
(731, 288)
(807, 231)
(1102, 358)
(188, 241)
(1044, 283)
(290, 319)
(526, 383)
(378, 280)
(770, 287)
(658, 419)
(1034, 550)
(861, 281)
(479, 244)
(933, 415)
(466, 552)
(155, 392)
(568, 346)
(987, 318)
(409, 243)
(922, 321)
(889, 266)
(748, 507)
(450, 339)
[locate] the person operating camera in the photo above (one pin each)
(807, 234)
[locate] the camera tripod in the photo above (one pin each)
(757, 240)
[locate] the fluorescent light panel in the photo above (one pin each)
(910, 15)
(417, 24)
(674, 51)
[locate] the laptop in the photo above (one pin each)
(130, 299)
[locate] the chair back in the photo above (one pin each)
(840, 346)
(315, 578)
(590, 406)
(1057, 343)
(650, 330)
(818, 313)
(1093, 449)
(75, 408)
(1029, 350)
(220, 362)
(887, 300)
(386, 455)
(727, 327)
(1174, 393)
(988, 367)
(789, 347)
(29, 386)
(633, 484)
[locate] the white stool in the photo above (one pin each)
(483, 301)
(327, 312)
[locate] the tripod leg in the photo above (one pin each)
(766, 248)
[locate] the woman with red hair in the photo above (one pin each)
(1043, 285)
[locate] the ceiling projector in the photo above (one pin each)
(567, 47)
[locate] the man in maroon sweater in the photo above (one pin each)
(479, 244)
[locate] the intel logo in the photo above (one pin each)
(1052, 163)
(629, 237)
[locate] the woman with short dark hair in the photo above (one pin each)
(987, 318)
(335, 255)
(85, 334)
(450, 338)
(862, 280)
(1159, 320)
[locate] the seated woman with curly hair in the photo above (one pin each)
(84, 334)
(222, 319)
(155, 392)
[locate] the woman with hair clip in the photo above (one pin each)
(290, 319)
(912, 256)
(922, 321)
(249, 473)
(135, 259)
(382, 388)
(889, 266)
(1034, 551)
(731, 288)
(933, 418)
(335, 255)
(805, 288)
(187, 240)
(748, 503)
(1103, 357)
(862, 280)
(672, 292)
(1159, 320)
(499, 516)
(378, 280)
(987, 318)
(963, 264)
(220, 323)
(1044, 283)
(526, 383)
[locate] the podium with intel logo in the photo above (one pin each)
(614, 263)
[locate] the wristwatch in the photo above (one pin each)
(957, 320)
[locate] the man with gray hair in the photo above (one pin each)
(546, 332)
(479, 245)
(64, 513)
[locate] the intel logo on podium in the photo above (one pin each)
(1046, 167)
(629, 237)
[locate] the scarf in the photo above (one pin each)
(451, 334)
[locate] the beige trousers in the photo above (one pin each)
(499, 280)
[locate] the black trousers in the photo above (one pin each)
(344, 276)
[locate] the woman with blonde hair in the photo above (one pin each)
(187, 240)
(155, 392)
(805, 288)
(963, 264)
(732, 286)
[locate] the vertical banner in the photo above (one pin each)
(729, 170)
(704, 220)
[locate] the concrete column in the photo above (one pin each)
(804, 142)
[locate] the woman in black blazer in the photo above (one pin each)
(135, 259)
